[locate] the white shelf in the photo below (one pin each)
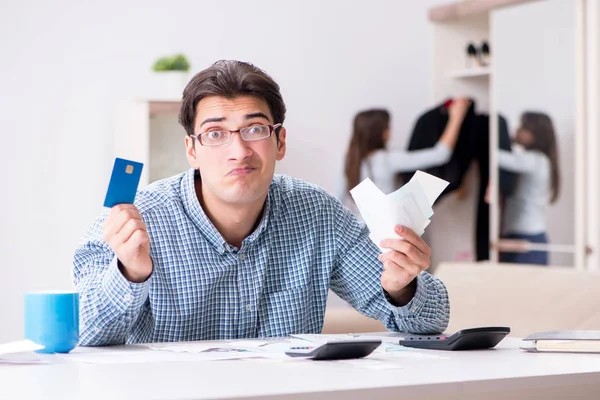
(476, 72)
(462, 8)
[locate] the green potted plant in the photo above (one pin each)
(178, 62)
(172, 73)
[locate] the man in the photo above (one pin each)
(228, 250)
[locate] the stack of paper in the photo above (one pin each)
(410, 206)
(565, 341)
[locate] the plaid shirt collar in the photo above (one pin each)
(196, 213)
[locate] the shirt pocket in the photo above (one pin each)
(287, 276)
(287, 312)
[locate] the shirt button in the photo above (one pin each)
(97, 329)
(127, 297)
(248, 307)
(242, 257)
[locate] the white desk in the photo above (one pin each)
(505, 372)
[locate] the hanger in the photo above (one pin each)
(450, 100)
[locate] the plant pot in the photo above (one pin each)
(170, 84)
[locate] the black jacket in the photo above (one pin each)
(472, 144)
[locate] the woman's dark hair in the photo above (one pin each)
(544, 139)
(367, 136)
(230, 79)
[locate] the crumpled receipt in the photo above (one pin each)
(410, 206)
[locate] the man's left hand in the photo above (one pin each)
(403, 263)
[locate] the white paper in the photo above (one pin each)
(321, 338)
(432, 185)
(411, 205)
(21, 346)
(20, 352)
(239, 349)
(248, 344)
(147, 355)
(192, 348)
(107, 356)
(385, 337)
(200, 346)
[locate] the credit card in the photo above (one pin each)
(124, 182)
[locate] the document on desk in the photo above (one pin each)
(159, 352)
(206, 347)
(410, 206)
(385, 337)
(117, 355)
(184, 351)
(267, 350)
(236, 349)
(20, 352)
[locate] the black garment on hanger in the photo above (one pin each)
(472, 144)
(427, 131)
(507, 181)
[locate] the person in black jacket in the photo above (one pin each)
(472, 144)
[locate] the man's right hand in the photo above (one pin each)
(127, 235)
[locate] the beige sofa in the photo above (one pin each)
(344, 319)
(527, 299)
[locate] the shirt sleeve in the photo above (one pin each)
(406, 161)
(356, 278)
(521, 161)
(109, 304)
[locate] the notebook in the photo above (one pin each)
(563, 342)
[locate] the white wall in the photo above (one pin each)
(534, 69)
(593, 128)
(65, 64)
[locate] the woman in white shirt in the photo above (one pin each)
(368, 157)
(535, 158)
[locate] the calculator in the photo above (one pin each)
(336, 350)
(466, 339)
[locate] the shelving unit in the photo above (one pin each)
(454, 75)
(148, 131)
(468, 73)
(466, 8)
(454, 26)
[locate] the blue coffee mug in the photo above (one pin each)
(52, 320)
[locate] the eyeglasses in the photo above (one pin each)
(249, 134)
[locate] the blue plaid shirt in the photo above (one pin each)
(276, 284)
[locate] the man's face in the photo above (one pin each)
(238, 173)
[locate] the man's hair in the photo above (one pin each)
(230, 79)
